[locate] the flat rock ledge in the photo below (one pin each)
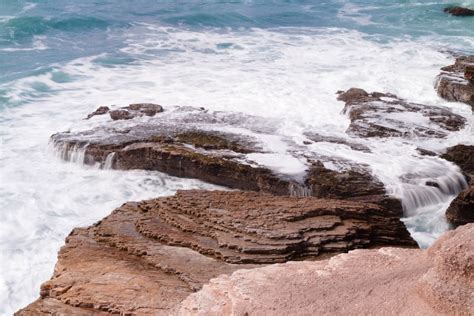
(385, 115)
(226, 148)
(456, 82)
(461, 209)
(387, 281)
(147, 257)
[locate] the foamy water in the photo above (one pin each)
(289, 74)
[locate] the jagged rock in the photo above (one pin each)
(455, 81)
(461, 209)
(463, 156)
(387, 281)
(100, 111)
(129, 112)
(385, 115)
(145, 258)
(225, 148)
(459, 11)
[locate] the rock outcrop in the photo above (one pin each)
(146, 257)
(455, 83)
(128, 112)
(459, 11)
(231, 149)
(385, 115)
(461, 209)
(387, 281)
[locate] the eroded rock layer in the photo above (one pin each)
(385, 115)
(387, 281)
(456, 82)
(147, 257)
(231, 149)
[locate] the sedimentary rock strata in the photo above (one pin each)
(387, 281)
(231, 149)
(147, 257)
(456, 83)
(385, 115)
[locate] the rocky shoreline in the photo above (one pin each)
(149, 257)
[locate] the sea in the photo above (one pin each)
(61, 59)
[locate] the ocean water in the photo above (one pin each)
(59, 60)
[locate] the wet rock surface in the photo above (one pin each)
(230, 149)
(128, 112)
(461, 209)
(146, 257)
(459, 11)
(385, 115)
(428, 282)
(455, 83)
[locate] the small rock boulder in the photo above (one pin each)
(129, 112)
(459, 11)
(385, 115)
(455, 83)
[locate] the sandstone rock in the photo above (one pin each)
(385, 115)
(459, 11)
(455, 81)
(227, 149)
(387, 281)
(145, 258)
(129, 112)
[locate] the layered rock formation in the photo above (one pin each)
(461, 210)
(231, 149)
(456, 83)
(145, 258)
(387, 281)
(385, 115)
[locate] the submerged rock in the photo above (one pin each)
(455, 83)
(231, 149)
(363, 282)
(385, 115)
(145, 258)
(459, 11)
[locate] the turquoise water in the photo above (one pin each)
(59, 60)
(34, 35)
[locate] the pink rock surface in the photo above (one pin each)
(387, 281)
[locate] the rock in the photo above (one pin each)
(363, 282)
(230, 149)
(129, 112)
(459, 11)
(469, 73)
(385, 115)
(455, 81)
(100, 111)
(463, 156)
(461, 209)
(145, 258)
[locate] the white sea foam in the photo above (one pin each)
(288, 74)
